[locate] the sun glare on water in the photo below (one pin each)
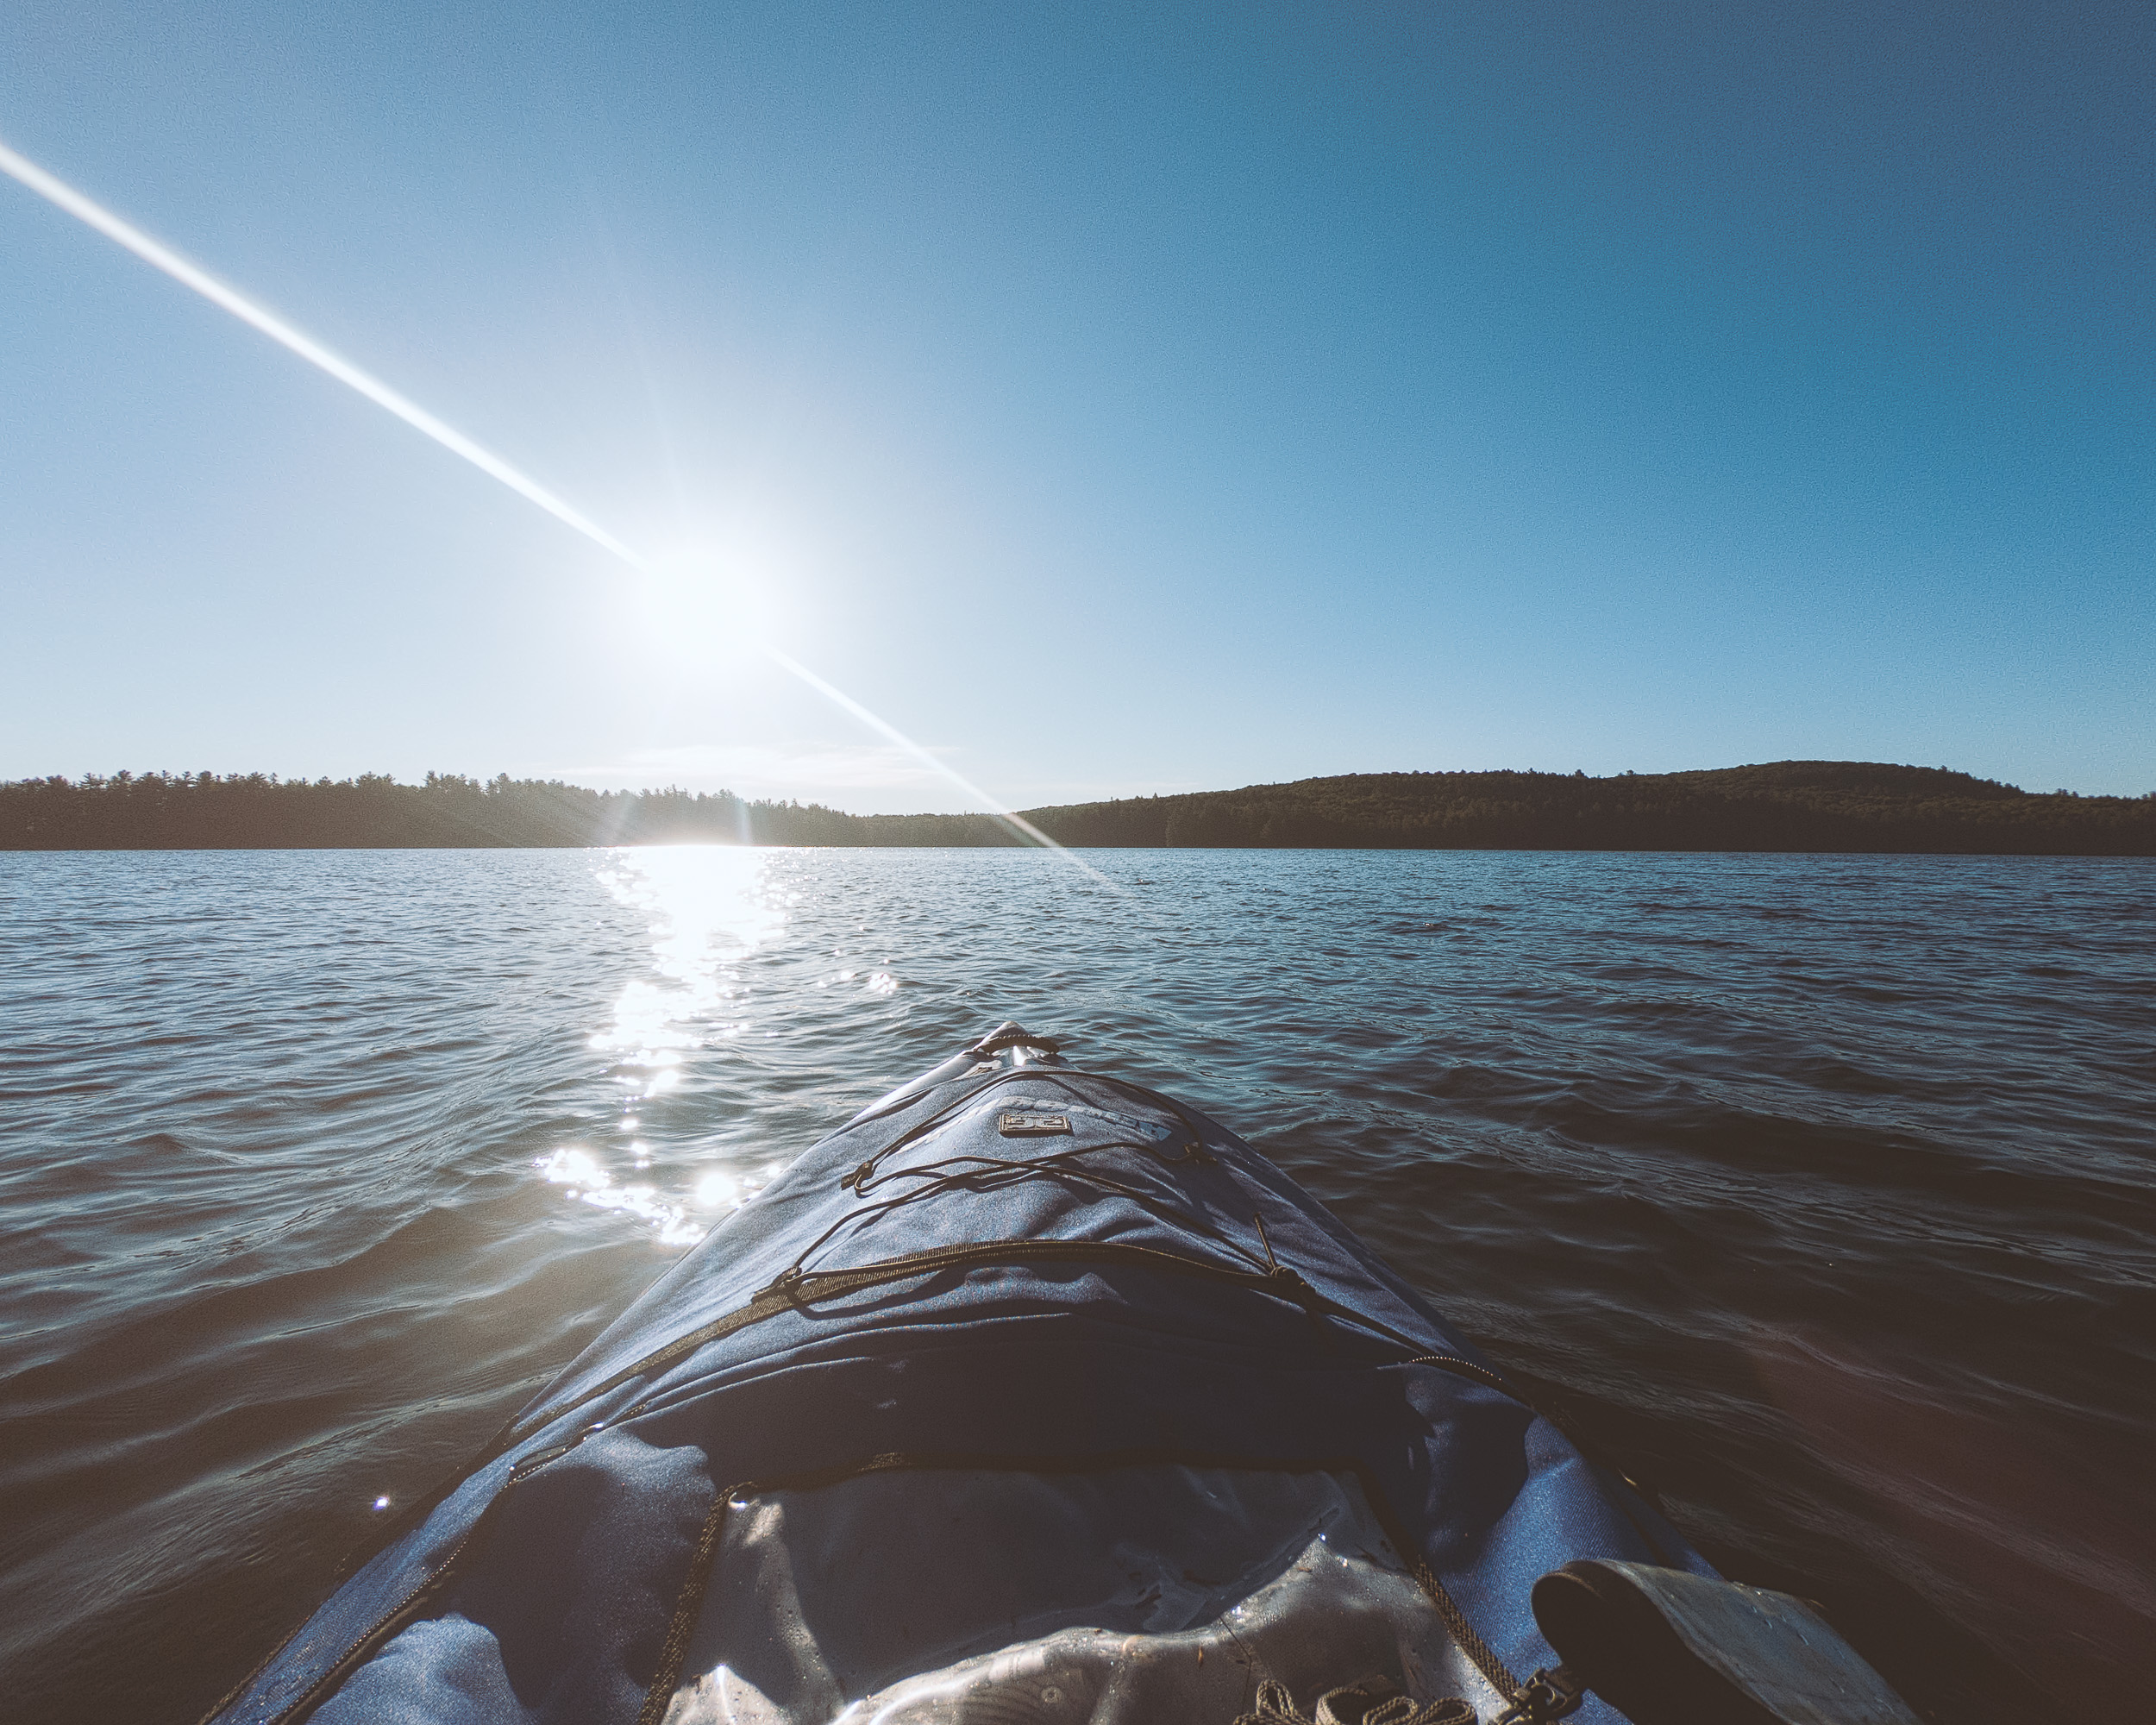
(707, 909)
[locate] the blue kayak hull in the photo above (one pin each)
(1011, 1264)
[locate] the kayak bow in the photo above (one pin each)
(1029, 1395)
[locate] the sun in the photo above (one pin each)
(715, 600)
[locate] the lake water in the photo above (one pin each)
(1816, 1190)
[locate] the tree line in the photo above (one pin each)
(1816, 806)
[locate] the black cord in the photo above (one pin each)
(987, 1174)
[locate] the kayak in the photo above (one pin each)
(1030, 1395)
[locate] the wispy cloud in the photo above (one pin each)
(817, 771)
(861, 779)
(1047, 792)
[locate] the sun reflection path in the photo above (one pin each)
(87, 209)
(707, 908)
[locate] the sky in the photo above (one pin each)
(1116, 399)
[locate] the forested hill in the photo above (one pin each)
(1786, 805)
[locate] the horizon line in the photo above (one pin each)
(435, 779)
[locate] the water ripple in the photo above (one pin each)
(1815, 1190)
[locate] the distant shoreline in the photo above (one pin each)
(1820, 806)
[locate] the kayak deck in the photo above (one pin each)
(1025, 1394)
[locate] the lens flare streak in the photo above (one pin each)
(1017, 823)
(160, 256)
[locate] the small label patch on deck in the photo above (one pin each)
(1032, 1125)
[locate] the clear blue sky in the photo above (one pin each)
(1118, 398)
